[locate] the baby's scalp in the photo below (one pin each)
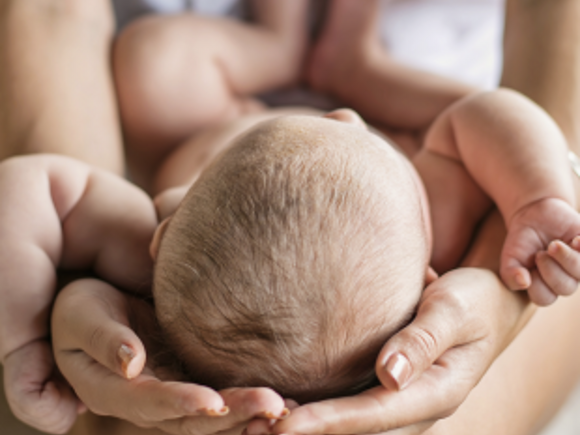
(292, 259)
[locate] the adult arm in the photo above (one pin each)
(56, 91)
(349, 62)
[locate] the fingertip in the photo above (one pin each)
(516, 278)
(211, 412)
(576, 243)
(258, 426)
(291, 404)
(202, 400)
(542, 296)
(131, 360)
(522, 279)
(396, 373)
(554, 248)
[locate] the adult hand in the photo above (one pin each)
(104, 361)
(465, 319)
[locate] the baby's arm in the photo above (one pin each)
(57, 212)
(517, 155)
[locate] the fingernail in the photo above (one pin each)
(285, 414)
(521, 280)
(399, 370)
(553, 247)
(216, 413)
(126, 355)
(271, 416)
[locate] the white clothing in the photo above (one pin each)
(127, 10)
(456, 38)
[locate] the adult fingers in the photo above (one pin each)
(144, 401)
(443, 321)
(92, 316)
(244, 404)
(90, 321)
(261, 426)
(435, 395)
(35, 396)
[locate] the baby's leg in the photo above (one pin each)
(349, 62)
(177, 74)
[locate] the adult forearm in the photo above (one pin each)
(514, 309)
(542, 58)
(56, 91)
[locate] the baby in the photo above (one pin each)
(295, 224)
(297, 254)
(304, 245)
(292, 260)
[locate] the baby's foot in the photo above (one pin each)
(348, 38)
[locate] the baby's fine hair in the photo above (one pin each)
(292, 260)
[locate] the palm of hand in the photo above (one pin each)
(540, 253)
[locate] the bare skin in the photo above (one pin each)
(56, 91)
(219, 61)
(288, 423)
(529, 86)
(349, 62)
(56, 95)
(331, 416)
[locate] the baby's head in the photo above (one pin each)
(292, 260)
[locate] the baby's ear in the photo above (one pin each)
(157, 237)
(167, 201)
(347, 116)
(430, 276)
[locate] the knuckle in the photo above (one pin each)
(453, 303)
(96, 337)
(424, 344)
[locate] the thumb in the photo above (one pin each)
(440, 324)
(93, 317)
